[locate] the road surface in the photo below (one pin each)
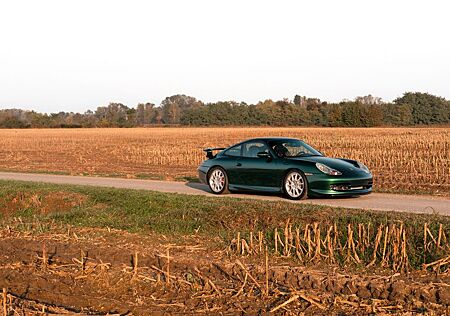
(374, 201)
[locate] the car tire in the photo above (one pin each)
(295, 185)
(218, 180)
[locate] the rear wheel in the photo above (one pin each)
(295, 186)
(218, 180)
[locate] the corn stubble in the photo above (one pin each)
(386, 246)
(404, 159)
(255, 279)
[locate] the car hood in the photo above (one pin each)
(335, 163)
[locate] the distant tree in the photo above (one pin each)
(375, 115)
(270, 112)
(117, 114)
(299, 100)
(410, 109)
(316, 118)
(130, 118)
(89, 119)
(223, 113)
(361, 115)
(196, 117)
(313, 104)
(398, 114)
(369, 100)
(12, 122)
(113, 115)
(140, 115)
(286, 113)
(426, 108)
(145, 114)
(174, 106)
(334, 115)
(353, 114)
(38, 120)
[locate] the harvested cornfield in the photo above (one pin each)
(402, 159)
(109, 272)
(395, 246)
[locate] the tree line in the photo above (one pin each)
(413, 108)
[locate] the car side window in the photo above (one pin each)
(252, 149)
(234, 151)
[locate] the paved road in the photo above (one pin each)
(374, 201)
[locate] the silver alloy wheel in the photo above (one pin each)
(217, 180)
(294, 184)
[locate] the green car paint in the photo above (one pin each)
(247, 171)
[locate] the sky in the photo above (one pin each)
(76, 55)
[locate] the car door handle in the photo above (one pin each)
(239, 164)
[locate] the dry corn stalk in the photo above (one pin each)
(388, 245)
(5, 303)
(238, 240)
(377, 243)
(317, 242)
(329, 242)
(351, 250)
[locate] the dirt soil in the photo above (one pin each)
(100, 271)
(45, 202)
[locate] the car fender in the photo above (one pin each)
(307, 167)
(293, 169)
(213, 166)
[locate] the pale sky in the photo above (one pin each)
(76, 55)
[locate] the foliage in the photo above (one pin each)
(173, 107)
(366, 111)
(426, 108)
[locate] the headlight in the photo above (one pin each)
(363, 167)
(327, 170)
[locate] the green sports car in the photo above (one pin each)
(282, 165)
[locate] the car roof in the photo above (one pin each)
(270, 138)
(265, 139)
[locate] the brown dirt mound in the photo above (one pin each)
(42, 203)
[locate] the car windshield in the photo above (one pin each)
(293, 148)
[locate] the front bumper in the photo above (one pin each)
(321, 184)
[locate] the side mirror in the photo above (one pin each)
(265, 155)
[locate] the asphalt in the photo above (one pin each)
(375, 201)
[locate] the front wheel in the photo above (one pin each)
(218, 180)
(295, 186)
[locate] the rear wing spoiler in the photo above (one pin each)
(209, 151)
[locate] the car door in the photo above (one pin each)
(256, 171)
(230, 162)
